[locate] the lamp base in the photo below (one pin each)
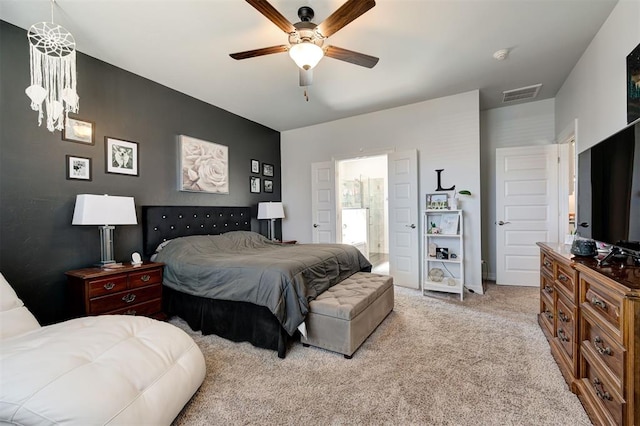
(106, 245)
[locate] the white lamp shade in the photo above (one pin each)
(104, 210)
(271, 210)
(306, 54)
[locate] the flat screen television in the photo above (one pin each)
(608, 204)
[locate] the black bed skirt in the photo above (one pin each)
(236, 321)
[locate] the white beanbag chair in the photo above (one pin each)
(110, 369)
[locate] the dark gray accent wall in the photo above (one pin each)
(37, 241)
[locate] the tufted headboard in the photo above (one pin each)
(162, 223)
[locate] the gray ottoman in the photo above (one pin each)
(341, 318)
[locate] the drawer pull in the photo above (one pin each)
(597, 342)
(547, 264)
(597, 385)
(599, 303)
(548, 314)
(145, 278)
(130, 312)
(562, 335)
(548, 289)
(129, 298)
(563, 278)
(109, 285)
(563, 317)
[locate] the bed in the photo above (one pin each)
(257, 291)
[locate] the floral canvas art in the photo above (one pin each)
(204, 166)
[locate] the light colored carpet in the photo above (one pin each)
(433, 361)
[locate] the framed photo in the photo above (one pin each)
(437, 201)
(121, 156)
(255, 166)
(78, 167)
(449, 224)
(79, 131)
(268, 185)
(254, 184)
(204, 166)
(267, 169)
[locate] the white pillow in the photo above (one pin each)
(15, 318)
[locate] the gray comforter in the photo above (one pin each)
(245, 266)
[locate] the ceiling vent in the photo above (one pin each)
(521, 94)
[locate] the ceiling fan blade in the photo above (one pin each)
(306, 77)
(346, 13)
(351, 56)
(259, 52)
(272, 14)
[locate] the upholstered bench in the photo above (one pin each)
(341, 318)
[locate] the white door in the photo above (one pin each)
(404, 250)
(323, 206)
(526, 211)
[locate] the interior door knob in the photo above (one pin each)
(315, 225)
(412, 226)
(502, 223)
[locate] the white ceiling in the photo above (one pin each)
(427, 49)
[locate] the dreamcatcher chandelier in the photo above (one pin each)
(52, 51)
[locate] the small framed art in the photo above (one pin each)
(254, 184)
(79, 131)
(267, 169)
(268, 185)
(255, 166)
(78, 168)
(121, 156)
(437, 201)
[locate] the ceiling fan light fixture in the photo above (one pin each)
(306, 54)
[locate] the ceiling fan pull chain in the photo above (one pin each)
(306, 95)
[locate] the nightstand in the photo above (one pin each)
(130, 290)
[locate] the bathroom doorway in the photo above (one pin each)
(362, 205)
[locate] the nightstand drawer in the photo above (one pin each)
(110, 285)
(146, 309)
(122, 300)
(144, 278)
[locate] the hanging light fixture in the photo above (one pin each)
(306, 54)
(52, 51)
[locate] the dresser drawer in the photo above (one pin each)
(546, 285)
(565, 327)
(546, 314)
(603, 347)
(598, 384)
(603, 304)
(110, 285)
(122, 300)
(565, 278)
(144, 278)
(546, 263)
(147, 308)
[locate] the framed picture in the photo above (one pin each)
(255, 166)
(121, 156)
(78, 167)
(449, 224)
(79, 131)
(437, 201)
(204, 166)
(267, 169)
(633, 85)
(268, 185)
(254, 184)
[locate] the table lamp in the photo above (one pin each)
(104, 211)
(271, 211)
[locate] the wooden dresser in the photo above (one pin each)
(130, 290)
(591, 317)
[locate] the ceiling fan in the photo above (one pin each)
(306, 39)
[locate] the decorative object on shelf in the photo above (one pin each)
(267, 169)
(204, 166)
(104, 211)
(268, 185)
(271, 211)
(451, 281)
(442, 253)
(255, 166)
(437, 201)
(121, 157)
(80, 131)
(583, 247)
(78, 168)
(254, 185)
(52, 52)
(449, 224)
(436, 274)
(454, 203)
(432, 249)
(136, 260)
(633, 85)
(433, 228)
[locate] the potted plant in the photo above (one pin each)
(453, 201)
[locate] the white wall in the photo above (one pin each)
(446, 133)
(595, 91)
(519, 125)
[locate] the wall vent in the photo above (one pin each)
(521, 94)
